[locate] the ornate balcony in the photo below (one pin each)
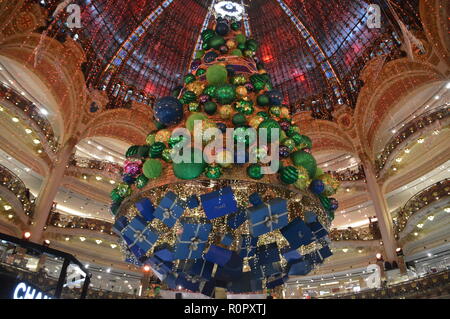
(350, 175)
(358, 234)
(15, 185)
(95, 167)
(74, 222)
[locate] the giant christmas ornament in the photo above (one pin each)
(152, 168)
(306, 160)
(289, 175)
(255, 171)
(225, 94)
(271, 127)
(168, 110)
(216, 74)
(190, 169)
(331, 184)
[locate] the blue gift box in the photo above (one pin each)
(227, 239)
(291, 255)
(160, 267)
(247, 246)
(170, 209)
(310, 217)
(318, 256)
(207, 288)
(261, 271)
(267, 254)
(232, 270)
(318, 230)
(188, 283)
(139, 236)
(192, 242)
(192, 202)
(300, 268)
(237, 219)
(201, 268)
(246, 283)
(164, 252)
(219, 203)
(255, 199)
(218, 255)
(297, 233)
(171, 280)
(146, 208)
(281, 280)
(120, 225)
(325, 252)
(268, 217)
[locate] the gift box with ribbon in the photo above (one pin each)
(300, 268)
(218, 255)
(267, 254)
(232, 270)
(291, 255)
(219, 203)
(120, 225)
(247, 246)
(139, 236)
(268, 217)
(297, 233)
(255, 199)
(201, 268)
(169, 209)
(192, 241)
(146, 209)
(160, 267)
(310, 217)
(164, 252)
(318, 230)
(237, 219)
(277, 281)
(261, 271)
(318, 256)
(192, 202)
(226, 239)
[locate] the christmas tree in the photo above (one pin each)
(274, 204)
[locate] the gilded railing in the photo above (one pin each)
(14, 184)
(75, 222)
(370, 232)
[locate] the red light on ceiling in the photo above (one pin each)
(298, 76)
(267, 58)
(149, 88)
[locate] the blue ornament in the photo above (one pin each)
(222, 28)
(317, 187)
(222, 127)
(276, 97)
(128, 179)
(284, 151)
(334, 204)
(168, 110)
(195, 64)
(210, 56)
(93, 108)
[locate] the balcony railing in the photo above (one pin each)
(14, 184)
(364, 233)
(349, 175)
(421, 200)
(30, 111)
(105, 166)
(419, 123)
(74, 222)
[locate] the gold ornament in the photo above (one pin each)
(255, 121)
(231, 44)
(262, 71)
(241, 91)
(225, 111)
(163, 136)
(284, 112)
(196, 87)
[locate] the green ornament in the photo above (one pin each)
(190, 170)
(263, 100)
(152, 168)
(319, 173)
(194, 107)
(330, 214)
(264, 115)
(189, 78)
(271, 126)
(240, 39)
(293, 130)
(157, 149)
(216, 42)
(306, 160)
(254, 171)
(132, 151)
(225, 94)
(150, 139)
(244, 135)
(259, 81)
(325, 201)
(143, 151)
(245, 107)
(210, 108)
(189, 97)
(239, 120)
(173, 141)
(216, 74)
(115, 197)
(275, 111)
(241, 47)
(207, 34)
(213, 171)
(235, 26)
(248, 53)
(289, 175)
(210, 90)
(206, 46)
(190, 122)
(302, 141)
(200, 72)
(199, 54)
(251, 45)
(238, 79)
(141, 181)
(124, 190)
(289, 143)
(236, 52)
(167, 155)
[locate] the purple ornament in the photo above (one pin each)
(249, 87)
(285, 125)
(334, 204)
(196, 64)
(223, 49)
(203, 98)
(132, 168)
(317, 187)
(284, 151)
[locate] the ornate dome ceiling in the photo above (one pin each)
(314, 50)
